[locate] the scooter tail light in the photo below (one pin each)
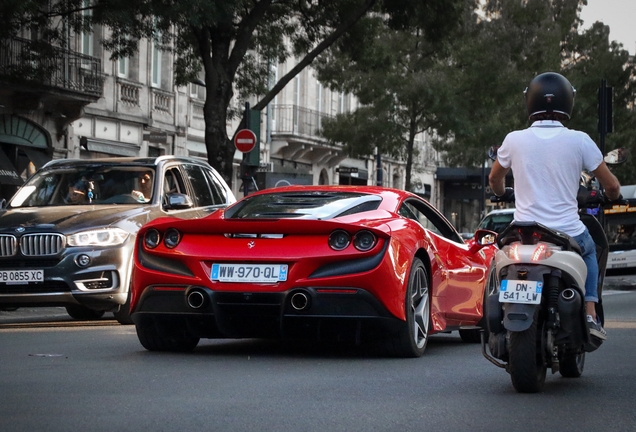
(512, 251)
(539, 252)
(544, 251)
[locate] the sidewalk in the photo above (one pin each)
(620, 282)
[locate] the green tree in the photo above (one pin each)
(233, 42)
(592, 58)
(512, 42)
(470, 92)
(499, 51)
(396, 68)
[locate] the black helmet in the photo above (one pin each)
(550, 92)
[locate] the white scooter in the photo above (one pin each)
(536, 315)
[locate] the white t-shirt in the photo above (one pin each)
(546, 161)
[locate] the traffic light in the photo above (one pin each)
(605, 120)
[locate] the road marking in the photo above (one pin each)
(615, 292)
(619, 324)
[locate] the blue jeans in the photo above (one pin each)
(588, 249)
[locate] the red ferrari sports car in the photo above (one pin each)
(343, 263)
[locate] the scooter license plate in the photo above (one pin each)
(520, 291)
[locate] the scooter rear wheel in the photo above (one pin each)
(526, 366)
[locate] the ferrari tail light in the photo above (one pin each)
(364, 240)
(172, 238)
(339, 240)
(152, 238)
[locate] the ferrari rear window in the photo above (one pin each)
(310, 205)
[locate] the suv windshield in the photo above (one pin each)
(87, 185)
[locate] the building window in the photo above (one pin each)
(297, 90)
(87, 38)
(318, 97)
(155, 78)
(273, 80)
(122, 67)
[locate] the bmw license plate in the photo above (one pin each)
(16, 277)
(520, 291)
(271, 273)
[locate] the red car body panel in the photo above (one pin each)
(457, 275)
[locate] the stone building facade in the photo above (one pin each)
(93, 107)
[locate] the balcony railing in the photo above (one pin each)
(296, 120)
(24, 60)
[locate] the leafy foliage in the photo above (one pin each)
(395, 65)
(466, 87)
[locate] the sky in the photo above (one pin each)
(618, 15)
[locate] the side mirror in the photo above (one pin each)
(492, 152)
(616, 156)
(481, 239)
(178, 201)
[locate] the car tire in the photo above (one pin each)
(172, 336)
(412, 338)
(123, 314)
(83, 313)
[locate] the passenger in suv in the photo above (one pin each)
(67, 235)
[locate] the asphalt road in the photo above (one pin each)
(61, 375)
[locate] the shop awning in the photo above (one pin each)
(8, 174)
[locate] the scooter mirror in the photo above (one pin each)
(616, 156)
(492, 152)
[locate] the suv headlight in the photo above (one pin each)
(98, 237)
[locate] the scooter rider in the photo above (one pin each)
(546, 161)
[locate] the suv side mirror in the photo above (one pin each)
(178, 201)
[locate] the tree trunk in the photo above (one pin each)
(218, 93)
(217, 143)
(410, 145)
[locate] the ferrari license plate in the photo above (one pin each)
(249, 273)
(21, 276)
(520, 291)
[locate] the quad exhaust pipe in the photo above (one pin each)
(300, 301)
(197, 299)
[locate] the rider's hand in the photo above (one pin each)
(508, 195)
(609, 202)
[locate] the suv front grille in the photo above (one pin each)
(7, 245)
(41, 244)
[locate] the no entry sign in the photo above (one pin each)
(245, 140)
